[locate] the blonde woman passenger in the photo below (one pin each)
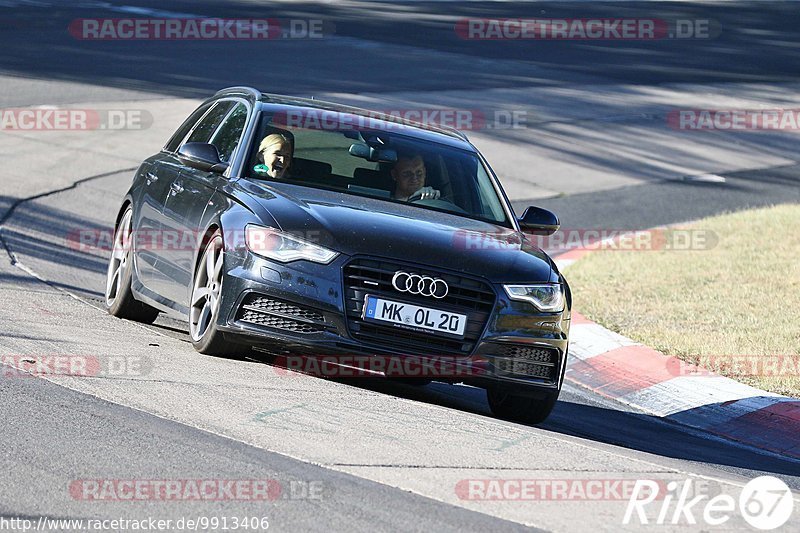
(274, 156)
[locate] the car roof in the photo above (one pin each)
(428, 132)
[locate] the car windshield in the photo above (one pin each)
(386, 163)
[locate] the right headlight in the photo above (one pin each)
(280, 246)
(546, 297)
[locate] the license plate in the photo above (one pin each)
(414, 316)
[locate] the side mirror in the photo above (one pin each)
(202, 156)
(539, 221)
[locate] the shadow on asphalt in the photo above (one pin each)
(47, 233)
(629, 430)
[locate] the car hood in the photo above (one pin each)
(357, 225)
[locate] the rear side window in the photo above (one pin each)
(208, 125)
(175, 141)
(227, 136)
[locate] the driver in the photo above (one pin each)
(275, 155)
(409, 179)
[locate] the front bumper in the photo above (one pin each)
(300, 309)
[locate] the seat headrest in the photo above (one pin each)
(309, 170)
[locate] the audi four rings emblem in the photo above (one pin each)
(422, 285)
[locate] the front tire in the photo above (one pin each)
(523, 409)
(204, 304)
(119, 297)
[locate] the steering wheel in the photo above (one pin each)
(417, 196)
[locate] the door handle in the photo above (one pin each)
(176, 188)
(151, 178)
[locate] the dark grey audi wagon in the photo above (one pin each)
(306, 228)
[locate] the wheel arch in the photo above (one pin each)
(213, 227)
(127, 202)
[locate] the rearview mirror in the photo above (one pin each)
(539, 221)
(376, 155)
(202, 156)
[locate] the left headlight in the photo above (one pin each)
(284, 247)
(546, 297)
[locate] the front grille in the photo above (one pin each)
(467, 296)
(269, 312)
(525, 361)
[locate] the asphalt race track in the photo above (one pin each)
(362, 454)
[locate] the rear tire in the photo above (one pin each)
(119, 297)
(521, 408)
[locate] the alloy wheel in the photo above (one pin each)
(120, 259)
(206, 290)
